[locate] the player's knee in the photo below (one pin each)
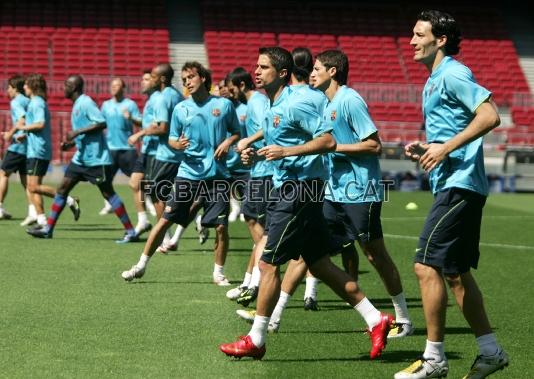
(221, 229)
(266, 268)
(454, 281)
(134, 184)
(423, 271)
(32, 187)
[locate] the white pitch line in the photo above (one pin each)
(488, 244)
(414, 218)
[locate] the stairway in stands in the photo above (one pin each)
(186, 41)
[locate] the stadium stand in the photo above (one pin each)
(379, 50)
(101, 39)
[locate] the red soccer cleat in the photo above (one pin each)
(379, 335)
(243, 348)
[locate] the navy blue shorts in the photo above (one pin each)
(36, 166)
(214, 195)
(95, 175)
(451, 234)
(124, 160)
(254, 205)
(296, 224)
(239, 181)
(144, 165)
(163, 176)
(14, 162)
(350, 222)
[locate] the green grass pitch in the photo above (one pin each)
(65, 312)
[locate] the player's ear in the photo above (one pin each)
(332, 71)
(441, 41)
(283, 73)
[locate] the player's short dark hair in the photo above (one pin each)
(443, 24)
(17, 82)
(280, 58)
(303, 63)
(167, 71)
(147, 71)
(239, 75)
(337, 59)
(202, 71)
(37, 84)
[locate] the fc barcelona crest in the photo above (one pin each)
(276, 121)
(216, 112)
(333, 116)
(243, 118)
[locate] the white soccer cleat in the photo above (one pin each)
(29, 220)
(232, 217)
(150, 206)
(105, 211)
(484, 365)
(273, 326)
(221, 280)
(4, 215)
(133, 273)
(401, 329)
(234, 293)
(423, 368)
(248, 316)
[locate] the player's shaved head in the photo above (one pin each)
(165, 71)
(73, 86)
(77, 82)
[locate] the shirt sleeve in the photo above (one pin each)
(18, 111)
(462, 86)
(161, 112)
(176, 128)
(134, 111)
(93, 113)
(232, 122)
(357, 115)
(39, 112)
(304, 114)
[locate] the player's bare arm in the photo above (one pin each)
(322, 144)
(486, 119)
(369, 146)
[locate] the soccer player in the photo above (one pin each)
(296, 269)
(92, 161)
(142, 169)
(15, 158)
(119, 112)
(458, 112)
(199, 128)
(296, 134)
(38, 130)
(238, 171)
(241, 87)
(353, 199)
(167, 159)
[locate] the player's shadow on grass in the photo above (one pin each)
(89, 228)
(411, 302)
(325, 308)
(448, 330)
(407, 356)
(156, 282)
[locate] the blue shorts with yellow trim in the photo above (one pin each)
(350, 222)
(451, 234)
(296, 225)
